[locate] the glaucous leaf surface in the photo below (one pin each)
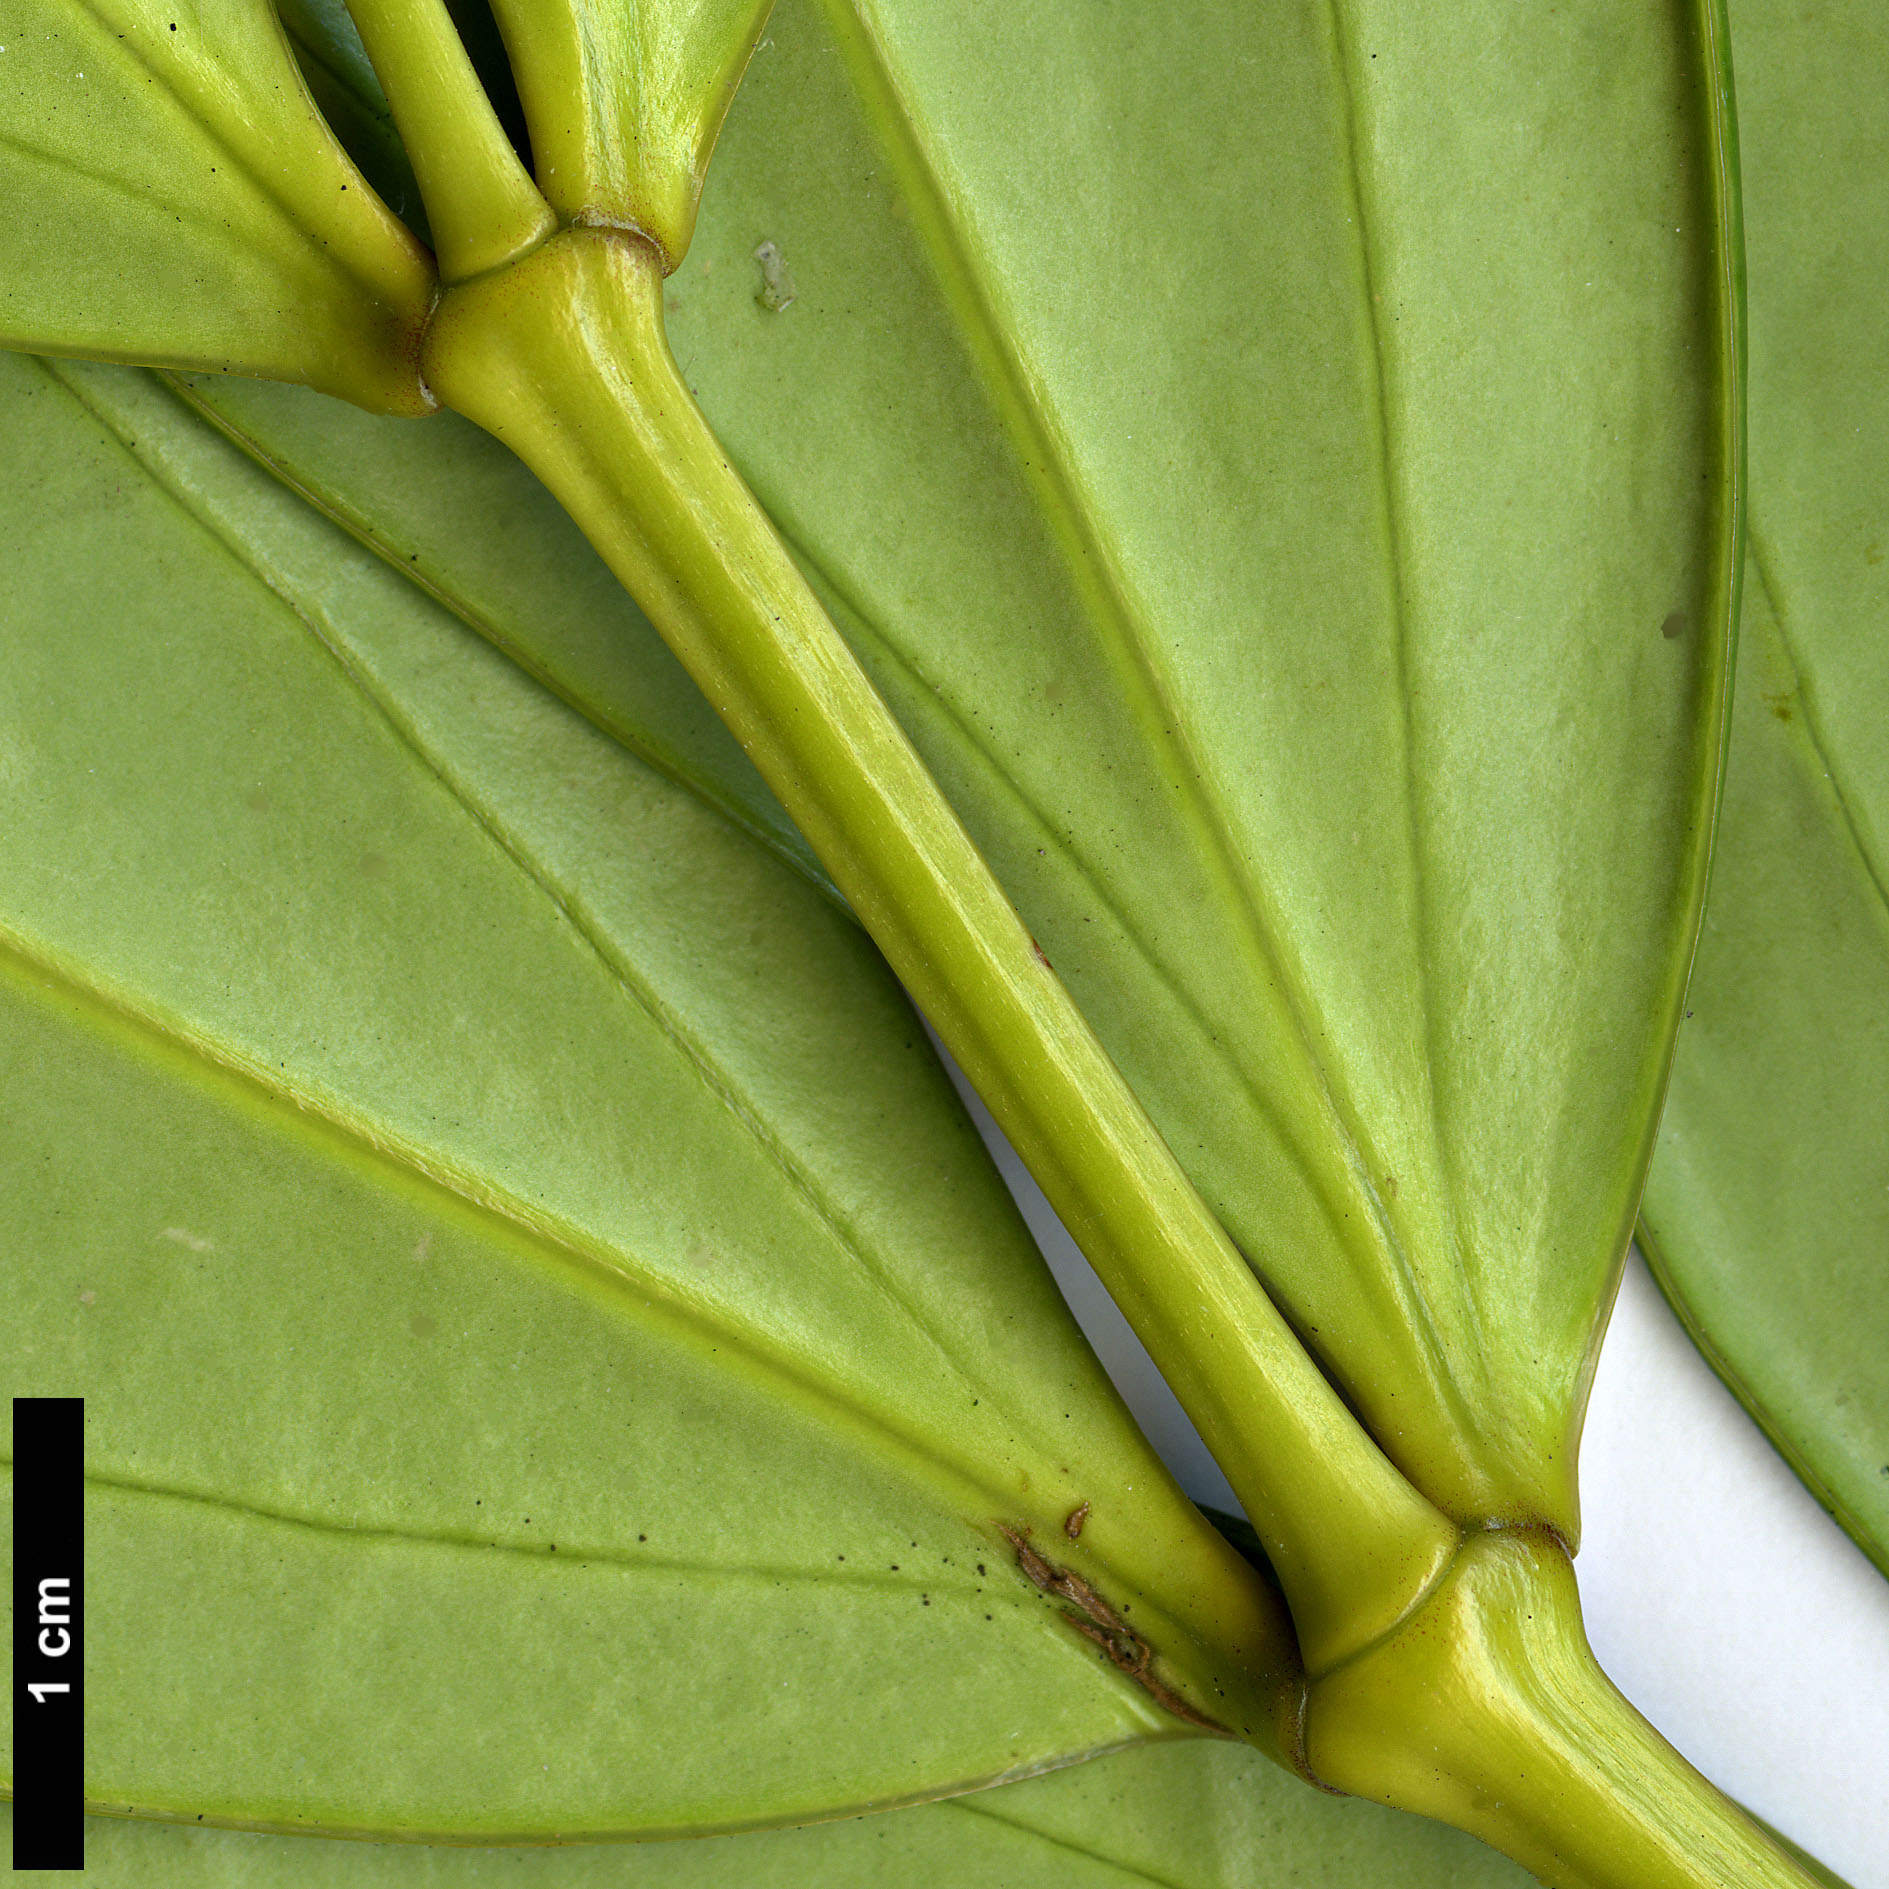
(557, 1357)
(1768, 1207)
(173, 195)
(1281, 494)
(1180, 1816)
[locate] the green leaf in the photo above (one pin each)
(1767, 1212)
(451, 509)
(1460, 672)
(558, 1360)
(174, 196)
(1286, 502)
(1292, 527)
(1192, 1816)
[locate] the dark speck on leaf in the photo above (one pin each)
(1674, 627)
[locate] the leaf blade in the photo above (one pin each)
(1273, 808)
(1172, 1817)
(1766, 1209)
(174, 196)
(409, 1109)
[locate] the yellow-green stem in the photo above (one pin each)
(1487, 1710)
(562, 355)
(480, 202)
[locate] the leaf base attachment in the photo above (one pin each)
(1487, 1710)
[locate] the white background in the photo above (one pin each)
(1720, 1598)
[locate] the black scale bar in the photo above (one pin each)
(48, 1624)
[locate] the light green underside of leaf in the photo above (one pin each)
(1768, 1206)
(172, 196)
(429, 1136)
(453, 510)
(1167, 1817)
(1239, 575)
(1265, 511)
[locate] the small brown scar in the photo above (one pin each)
(1042, 956)
(1072, 1524)
(1091, 1616)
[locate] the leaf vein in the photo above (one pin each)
(654, 1303)
(1133, 1871)
(1391, 515)
(575, 1554)
(1813, 730)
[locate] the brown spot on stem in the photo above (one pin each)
(1072, 1526)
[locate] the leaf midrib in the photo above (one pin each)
(1364, 220)
(267, 189)
(665, 758)
(859, 624)
(1062, 1845)
(714, 1074)
(138, 194)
